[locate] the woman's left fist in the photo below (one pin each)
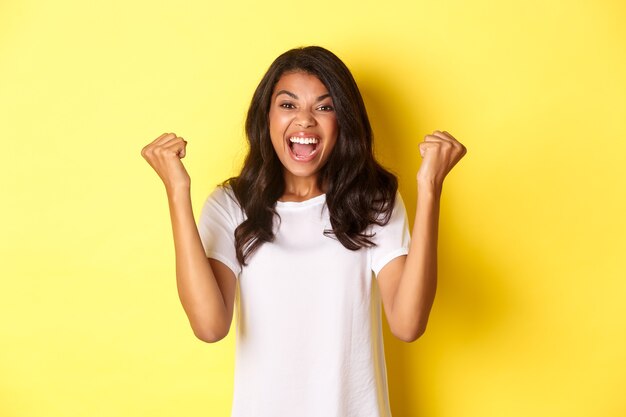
(440, 152)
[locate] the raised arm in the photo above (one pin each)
(206, 288)
(408, 283)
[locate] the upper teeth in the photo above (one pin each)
(304, 141)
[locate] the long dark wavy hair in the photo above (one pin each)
(359, 191)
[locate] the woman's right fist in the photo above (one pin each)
(164, 154)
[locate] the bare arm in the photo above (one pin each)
(206, 288)
(408, 283)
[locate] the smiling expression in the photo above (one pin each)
(302, 123)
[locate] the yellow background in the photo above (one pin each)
(530, 314)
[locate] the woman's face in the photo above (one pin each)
(302, 123)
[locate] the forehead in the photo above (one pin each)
(300, 82)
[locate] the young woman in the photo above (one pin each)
(306, 242)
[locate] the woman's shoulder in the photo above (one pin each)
(386, 205)
(223, 197)
(222, 192)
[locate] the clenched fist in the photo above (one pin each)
(440, 152)
(164, 155)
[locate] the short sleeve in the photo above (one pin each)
(393, 239)
(219, 218)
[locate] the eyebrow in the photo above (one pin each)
(295, 97)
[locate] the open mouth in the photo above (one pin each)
(303, 149)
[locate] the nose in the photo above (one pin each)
(305, 119)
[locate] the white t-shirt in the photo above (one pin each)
(309, 334)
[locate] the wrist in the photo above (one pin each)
(178, 192)
(429, 187)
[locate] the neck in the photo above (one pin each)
(300, 188)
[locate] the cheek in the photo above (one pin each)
(271, 120)
(274, 126)
(333, 129)
(277, 141)
(276, 136)
(277, 120)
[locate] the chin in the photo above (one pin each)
(302, 172)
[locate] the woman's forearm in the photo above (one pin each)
(418, 283)
(198, 290)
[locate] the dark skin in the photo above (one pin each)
(302, 109)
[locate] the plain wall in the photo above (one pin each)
(529, 317)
